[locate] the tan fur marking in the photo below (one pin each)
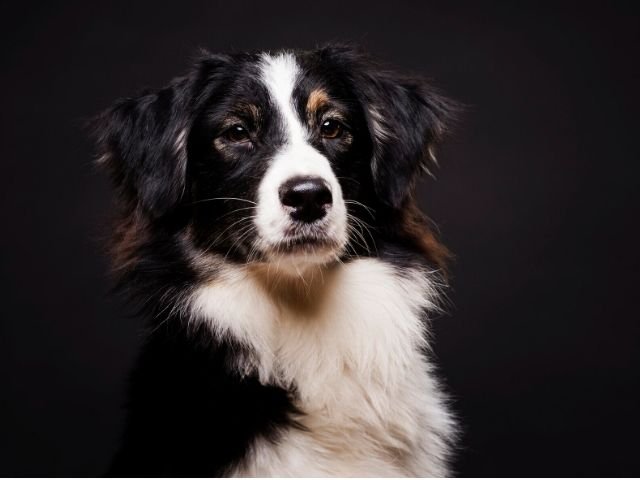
(416, 226)
(317, 99)
(305, 294)
(128, 237)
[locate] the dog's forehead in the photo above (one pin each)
(298, 93)
(278, 79)
(280, 74)
(301, 77)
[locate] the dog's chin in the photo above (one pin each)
(297, 253)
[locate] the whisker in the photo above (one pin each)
(369, 210)
(224, 198)
(357, 229)
(235, 211)
(349, 179)
(360, 236)
(226, 229)
(244, 232)
(364, 226)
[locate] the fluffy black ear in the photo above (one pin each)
(142, 143)
(405, 116)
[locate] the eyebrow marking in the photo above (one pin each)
(318, 98)
(240, 110)
(251, 109)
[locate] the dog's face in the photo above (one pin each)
(268, 162)
(288, 159)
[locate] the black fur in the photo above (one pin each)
(190, 414)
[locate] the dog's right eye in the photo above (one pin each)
(236, 134)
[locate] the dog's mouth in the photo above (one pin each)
(306, 244)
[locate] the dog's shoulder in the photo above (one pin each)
(189, 411)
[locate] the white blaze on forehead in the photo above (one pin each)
(280, 74)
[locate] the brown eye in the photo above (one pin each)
(236, 134)
(331, 129)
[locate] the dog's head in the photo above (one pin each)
(289, 158)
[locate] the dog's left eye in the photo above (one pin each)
(236, 134)
(331, 129)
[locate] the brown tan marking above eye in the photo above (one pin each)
(317, 100)
(252, 111)
(246, 111)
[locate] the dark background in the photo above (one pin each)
(537, 196)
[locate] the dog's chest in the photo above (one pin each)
(352, 352)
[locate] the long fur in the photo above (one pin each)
(277, 347)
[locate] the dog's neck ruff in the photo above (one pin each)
(350, 342)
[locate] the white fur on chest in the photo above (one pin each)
(350, 341)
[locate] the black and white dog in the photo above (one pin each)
(268, 231)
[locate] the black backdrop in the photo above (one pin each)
(537, 196)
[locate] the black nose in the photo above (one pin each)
(309, 197)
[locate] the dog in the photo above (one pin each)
(266, 228)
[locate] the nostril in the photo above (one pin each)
(292, 197)
(308, 196)
(324, 196)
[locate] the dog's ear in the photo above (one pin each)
(142, 141)
(406, 117)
